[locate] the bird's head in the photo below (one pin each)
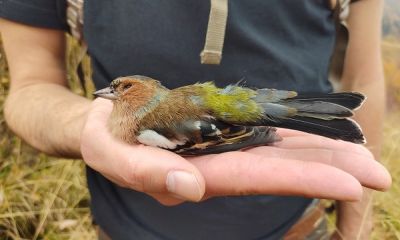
(133, 87)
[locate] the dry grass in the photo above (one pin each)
(41, 197)
(387, 205)
(46, 198)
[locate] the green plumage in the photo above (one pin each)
(233, 103)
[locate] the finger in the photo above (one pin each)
(283, 132)
(365, 169)
(167, 200)
(304, 140)
(153, 170)
(102, 109)
(142, 168)
(242, 173)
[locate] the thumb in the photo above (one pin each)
(153, 170)
(142, 168)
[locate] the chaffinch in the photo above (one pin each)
(202, 118)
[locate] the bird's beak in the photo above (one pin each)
(106, 93)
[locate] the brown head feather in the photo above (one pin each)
(143, 103)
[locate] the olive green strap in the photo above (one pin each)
(212, 52)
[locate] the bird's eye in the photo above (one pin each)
(126, 86)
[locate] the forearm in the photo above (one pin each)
(48, 116)
(39, 107)
(355, 218)
(364, 73)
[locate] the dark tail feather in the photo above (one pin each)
(344, 129)
(322, 114)
(350, 100)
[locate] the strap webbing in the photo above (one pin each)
(75, 18)
(344, 9)
(341, 8)
(341, 12)
(212, 52)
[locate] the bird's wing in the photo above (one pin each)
(207, 136)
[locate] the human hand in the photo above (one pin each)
(354, 220)
(302, 164)
(351, 234)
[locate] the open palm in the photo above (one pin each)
(302, 165)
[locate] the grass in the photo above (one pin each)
(387, 205)
(41, 197)
(46, 198)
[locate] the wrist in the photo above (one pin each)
(70, 145)
(50, 121)
(354, 219)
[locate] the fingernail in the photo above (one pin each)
(184, 185)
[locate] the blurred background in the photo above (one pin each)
(46, 198)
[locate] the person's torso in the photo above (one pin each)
(275, 43)
(281, 44)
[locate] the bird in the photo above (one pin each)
(203, 119)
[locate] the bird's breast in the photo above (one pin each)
(123, 125)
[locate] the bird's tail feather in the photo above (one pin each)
(350, 100)
(322, 114)
(343, 129)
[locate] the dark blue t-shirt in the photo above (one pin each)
(282, 44)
